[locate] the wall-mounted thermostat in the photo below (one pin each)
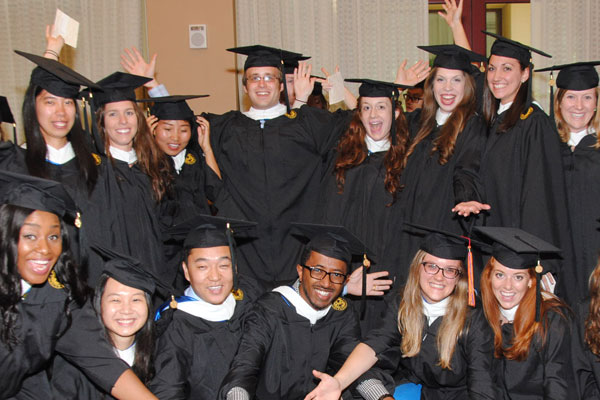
(198, 36)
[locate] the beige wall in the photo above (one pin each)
(517, 22)
(195, 71)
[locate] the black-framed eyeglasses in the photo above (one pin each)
(413, 99)
(448, 272)
(320, 274)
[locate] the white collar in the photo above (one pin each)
(178, 160)
(575, 137)
(270, 113)
(210, 312)
(25, 286)
(375, 146)
(441, 116)
(130, 157)
(434, 310)
(60, 156)
(504, 107)
(510, 313)
(302, 307)
(127, 355)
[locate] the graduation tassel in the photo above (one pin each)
(551, 95)
(229, 234)
(471, 279)
(15, 140)
(538, 294)
(363, 295)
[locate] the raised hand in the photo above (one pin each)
(133, 62)
(413, 75)
(303, 83)
(54, 44)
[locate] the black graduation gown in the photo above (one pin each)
(586, 365)
(69, 382)
(525, 186)
(127, 219)
(280, 348)
(547, 373)
(273, 174)
(191, 195)
(193, 355)
(431, 190)
(43, 331)
(471, 362)
(582, 174)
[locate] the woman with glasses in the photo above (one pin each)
(430, 336)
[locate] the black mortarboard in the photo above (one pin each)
(5, 113)
(291, 63)
(337, 242)
(516, 249)
(510, 48)
(264, 56)
(372, 88)
(452, 56)
(118, 86)
(449, 246)
(55, 77)
(204, 231)
(126, 270)
(172, 107)
(37, 194)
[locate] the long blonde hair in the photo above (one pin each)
(561, 125)
(410, 320)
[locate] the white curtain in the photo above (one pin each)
(106, 28)
(566, 29)
(366, 38)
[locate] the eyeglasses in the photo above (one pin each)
(433, 269)
(320, 274)
(265, 78)
(412, 99)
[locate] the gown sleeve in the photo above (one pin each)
(466, 182)
(559, 382)
(479, 349)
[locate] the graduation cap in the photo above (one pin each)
(510, 48)
(291, 63)
(172, 107)
(118, 86)
(204, 231)
(128, 270)
(337, 242)
(449, 246)
(452, 56)
(38, 194)
(373, 88)
(264, 56)
(575, 76)
(6, 116)
(516, 249)
(55, 77)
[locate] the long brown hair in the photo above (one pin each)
(513, 114)
(561, 125)
(410, 317)
(151, 160)
(444, 143)
(592, 322)
(352, 151)
(525, 327)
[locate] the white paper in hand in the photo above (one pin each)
(337, 91)
(66, 27)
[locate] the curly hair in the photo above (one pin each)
(151, 160)
(352, 151)
(445, 142)
(592, 322)
(67, 272)
(525, 326)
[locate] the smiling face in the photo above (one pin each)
(124, 312)
(56, 116)
(40, 245)
(376, 116)
(263, 87)
(509, 285)
(436, 287)
(120, 124)
(319, 294)
(448, 88)
(210, 273)
(577, 107)
(172, 136)
(504, 77)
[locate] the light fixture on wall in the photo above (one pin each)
(198, 38)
